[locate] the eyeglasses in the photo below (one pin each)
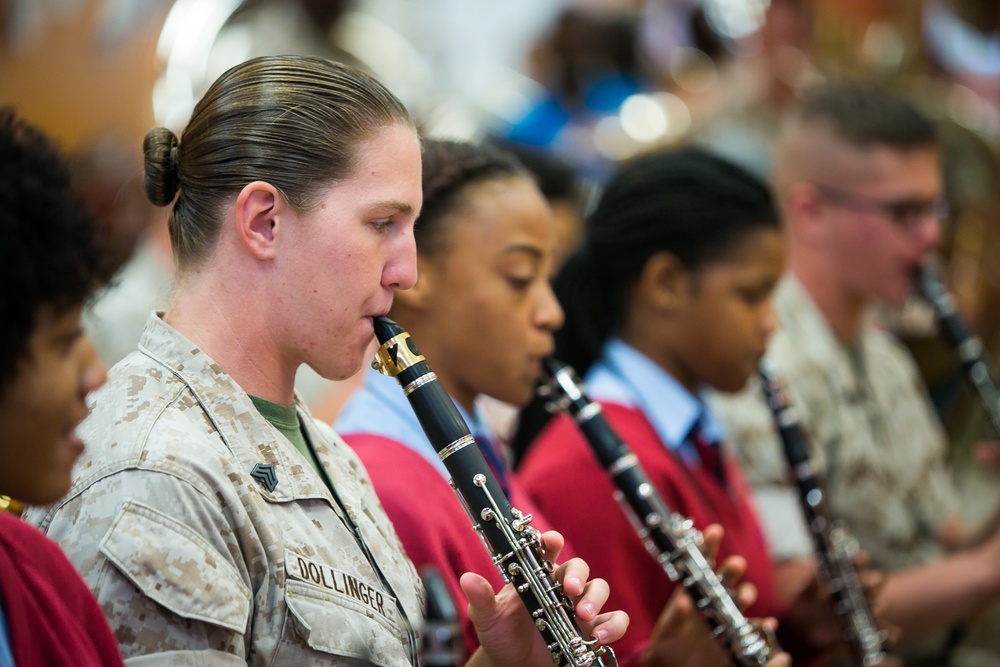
(907, 214)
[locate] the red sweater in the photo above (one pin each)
(52, 617)
(564, 478)
(429, 519)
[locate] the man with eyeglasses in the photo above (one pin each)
(857, 175)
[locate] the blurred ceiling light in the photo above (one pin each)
(958, 46)
(643, 119)
(451, 120)
(883, 46)
(186, 41)
(678, 114)
(967, 108)
(735, 19)
(393, 59)
(649, 118)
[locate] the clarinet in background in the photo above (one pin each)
(441, 642)
(670, 538)
(506, 532)
(835, 548)
(976, 363)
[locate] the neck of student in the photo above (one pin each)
(841, 308)
(648, 336)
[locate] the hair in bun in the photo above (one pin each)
(162, 176)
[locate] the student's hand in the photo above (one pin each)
(872, 583)
(682, 637)
(507, 633)
(810, 628)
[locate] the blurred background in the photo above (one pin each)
(580, 84)
(575, 86)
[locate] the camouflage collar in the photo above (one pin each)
(247, 435)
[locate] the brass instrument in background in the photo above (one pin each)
(8, 504)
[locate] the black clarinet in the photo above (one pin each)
(835, 547)
(669, 537)
(506, 532)
(976, 363)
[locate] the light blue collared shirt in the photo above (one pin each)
(626, 376)
(379, 408)
(6, 653)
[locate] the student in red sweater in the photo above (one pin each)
(670, 294)
(48, 616)
(483, 314)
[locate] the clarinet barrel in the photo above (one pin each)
(506, 532)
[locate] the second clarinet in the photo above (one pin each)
(835, 548)
(506, 532)
(975, 360)
(670, 538)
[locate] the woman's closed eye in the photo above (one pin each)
(755, 295)
(521, 282)
(382, 226)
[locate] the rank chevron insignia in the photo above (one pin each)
(264, 474)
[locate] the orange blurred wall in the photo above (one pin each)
(62, 78)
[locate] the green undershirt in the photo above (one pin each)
(285, 418)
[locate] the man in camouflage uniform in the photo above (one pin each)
(857, 175)
(209, 537)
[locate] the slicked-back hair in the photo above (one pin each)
(54, 259)
(292, 121)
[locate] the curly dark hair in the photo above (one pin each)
(53, 258)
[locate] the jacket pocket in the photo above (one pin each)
(177, 568)
(341, 626)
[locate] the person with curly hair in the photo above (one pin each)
(47, 368)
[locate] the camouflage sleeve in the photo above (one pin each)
(163, 561)
(936, 498)
(937, 503)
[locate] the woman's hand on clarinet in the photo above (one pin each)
(507, 634)
(682, 637)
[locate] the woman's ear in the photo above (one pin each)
(805, 208)
(260, 213)
(664, 283)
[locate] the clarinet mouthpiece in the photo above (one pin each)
(385, 329)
